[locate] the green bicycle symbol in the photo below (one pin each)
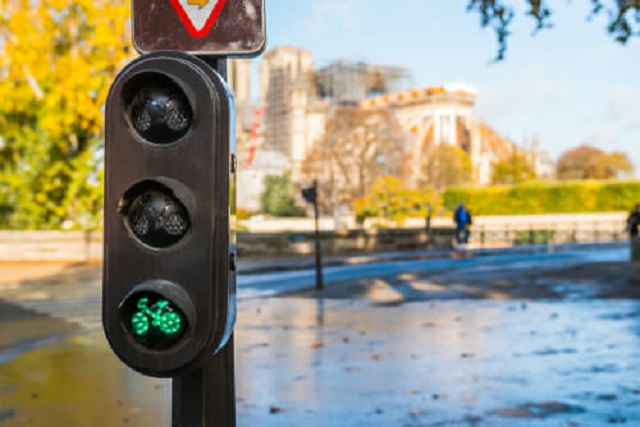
(160, 316)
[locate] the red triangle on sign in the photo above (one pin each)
(198, 16)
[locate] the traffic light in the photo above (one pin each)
(309, 194)
(169, 262)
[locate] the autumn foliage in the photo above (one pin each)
(390, 199)
(57, 61)
(586, 162)
(546, 197)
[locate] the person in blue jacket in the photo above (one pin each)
(462, 218)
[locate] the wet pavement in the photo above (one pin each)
(377, 353)
(453, 363)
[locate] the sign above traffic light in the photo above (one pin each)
(234, 28)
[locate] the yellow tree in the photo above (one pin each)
(388, 198)
(57, 60)
(445, 165)
(515, 169)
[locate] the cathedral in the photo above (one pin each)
(296, 100)
(444, 115)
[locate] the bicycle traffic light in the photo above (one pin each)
(169, 260)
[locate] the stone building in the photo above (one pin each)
(444, 115)
(276, 133)
(290, 107)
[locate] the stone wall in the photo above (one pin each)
(50, 246)
(16, 246)
(343, 242)
(486, 232)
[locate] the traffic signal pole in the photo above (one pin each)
(170, 257)
(206, 396)
(310, 195)
(319, 281)
(169, 279)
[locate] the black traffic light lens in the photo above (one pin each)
(153, 321)
(157, 219)
(159, 110)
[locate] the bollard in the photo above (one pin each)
(635, 257)
(635, 249)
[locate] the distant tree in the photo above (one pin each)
(357, 147)
(277, 199)
(586, 162)
(624, 17)
(620, 165)
(388, 198)
(445, 165)
(516, 169)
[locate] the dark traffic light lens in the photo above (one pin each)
(159, 110)
(158, 219)
(152, 320)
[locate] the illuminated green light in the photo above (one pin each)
(140, 324)
(153, 320)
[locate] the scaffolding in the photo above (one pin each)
(348, 83)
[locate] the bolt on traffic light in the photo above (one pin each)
(168, 288)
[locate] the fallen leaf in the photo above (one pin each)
(275, 409)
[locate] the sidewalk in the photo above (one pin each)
(256, 265)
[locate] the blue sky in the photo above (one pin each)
(568, 85)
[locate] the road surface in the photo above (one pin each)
(445, 342)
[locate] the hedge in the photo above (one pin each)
(546, 197)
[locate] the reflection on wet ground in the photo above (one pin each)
(78, 382)
(350, 363)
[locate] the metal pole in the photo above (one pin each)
(319, 282)
(206, 397)
(532, 235)
(428, 224)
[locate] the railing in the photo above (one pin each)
(79, 246)
(505, 235)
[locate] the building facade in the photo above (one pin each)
(295, 101)
(288, 101)
(445, 115)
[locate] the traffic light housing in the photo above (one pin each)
(309, 194)
(169, 280)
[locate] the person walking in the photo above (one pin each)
(461, 218)
(633, 222)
